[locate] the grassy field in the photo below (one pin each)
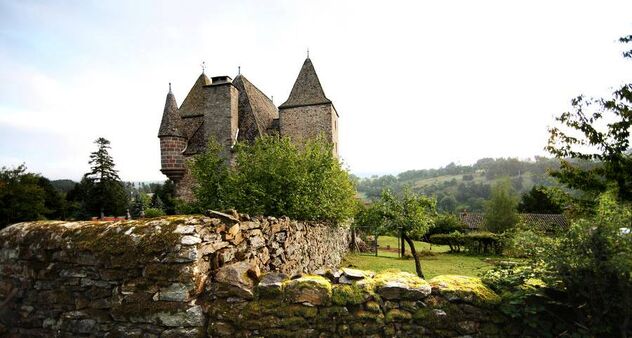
(434, 260)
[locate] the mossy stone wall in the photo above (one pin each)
(144, 278)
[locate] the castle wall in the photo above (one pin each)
(307, 122)
(152, 277)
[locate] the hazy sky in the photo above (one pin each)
(417, 84)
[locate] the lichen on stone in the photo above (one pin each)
(465, 289)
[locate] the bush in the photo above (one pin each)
(473, 242)
(527, 243)
(445, 224)
(273, 176)
(153, 212)
(593, 262)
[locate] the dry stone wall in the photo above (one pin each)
(145, 278)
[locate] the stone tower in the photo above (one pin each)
(172, 141)
(231, 111)
(308, 113)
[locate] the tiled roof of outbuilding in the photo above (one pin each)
(545, 222)
(307, 89)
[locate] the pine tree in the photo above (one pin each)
(105, 191)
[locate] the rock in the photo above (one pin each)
(223, 216)
(271, 285)
(235, 280)
(190, 240)
(233, 231)
(256, 242)
(183, 333)
(194, 316)
(355, 274)
(185, 229)
(176, 292)
(310, 289)
(402, 286)
(464, 289)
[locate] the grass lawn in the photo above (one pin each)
(438, 263)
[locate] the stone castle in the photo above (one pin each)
(236, 110)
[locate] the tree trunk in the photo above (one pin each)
(402, 245)
(354, 244)
(414, 252)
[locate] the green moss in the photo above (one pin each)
(397, 315)
(315, 290)
(141, 304)
(366, 315)
(373, 307)
(468, 289)
(292, 322)
(343, 294)
(406, 278)
(256, 309)
(296, 310)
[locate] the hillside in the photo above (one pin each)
(458, 187)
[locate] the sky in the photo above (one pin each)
(417, 84)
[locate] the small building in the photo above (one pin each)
(236, 110)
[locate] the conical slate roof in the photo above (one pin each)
(193, 104)
(169, 124)
(307, 90)
(256, 110)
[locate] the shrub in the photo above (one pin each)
(527, 243)
(473, 242)
(454, 240)
(445, 224)
(593, 262)
(153, 212)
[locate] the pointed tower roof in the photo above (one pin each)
(169, 124)
(256, 110)
(307, 90)
(193, 104)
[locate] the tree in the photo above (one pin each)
(21, 198)
(274, 176)
(596, 130)
(538, 201)
(103, 192)
(500, 210)
(409, 214)
(447, 204)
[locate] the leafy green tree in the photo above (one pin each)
(273, 176)
(211, 174)
(21, 197)
(500, 210)
(447, 203)
(596, 130)
(594, 264)
(538, 201)
(409, 214)
(103, 191)
(166, 192)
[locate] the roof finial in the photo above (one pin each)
(308, 53)
(203, 66)
(170, 87)
(272, 98)
(238, 70)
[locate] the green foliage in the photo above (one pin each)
(596, 130)
(212, 186)
(447, 204)
(154, 212)
(408, 214)
(445, 224)
(274, 176)
(500, 210)
(479, 242)
(594, 263)
(539, 201)
(166, 193)
(101, 191)
(21, 197)
(527, 243)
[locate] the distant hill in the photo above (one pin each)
(63, 185)
(458, 187)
